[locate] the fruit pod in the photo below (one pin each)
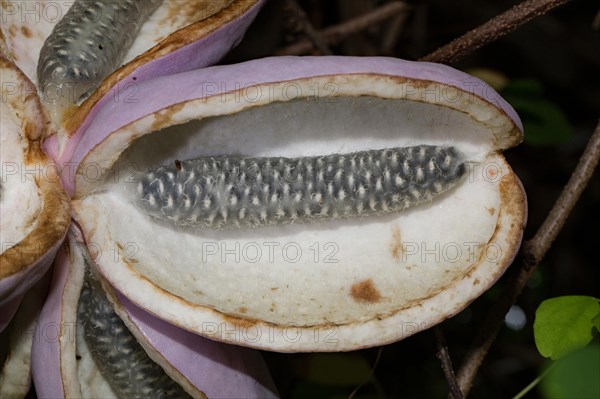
(34, 209)
(381, 199)
(105, 48)
(64, 362)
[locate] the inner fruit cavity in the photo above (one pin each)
(233, 192)
(120, 358)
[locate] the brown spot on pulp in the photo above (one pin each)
(26, 31)
(242, 309)
(162, 118)
(196, 10)
(396, 243)
(491, 210)
(513, 200)
(476, 281)
(240, 323)
(365, 291)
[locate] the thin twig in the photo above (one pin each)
(596, 22)
(493, 29)
(377, 359)
(391, 37)
(530, 256)
(533, 383)
(358, 43)
(314, 35)
(334, 34)
(444, 356)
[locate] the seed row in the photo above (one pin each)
(116, 352)
(230, 192)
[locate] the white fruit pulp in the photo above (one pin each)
(20, 202)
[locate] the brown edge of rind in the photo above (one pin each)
(54, 218)
(4, 51)
(171, 43)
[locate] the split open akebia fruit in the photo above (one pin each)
(302, 204)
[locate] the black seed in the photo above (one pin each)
(230, 192)
(89, 26)
(120, 358)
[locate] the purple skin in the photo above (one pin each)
(13, 288)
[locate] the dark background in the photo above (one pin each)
(551, 73)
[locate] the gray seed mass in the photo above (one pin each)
(231, 192)
(87, 44)
(116, 352)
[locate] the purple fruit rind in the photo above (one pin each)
(46, 364)
(217, 369)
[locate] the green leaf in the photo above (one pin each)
(574, 376)
(523, 88)
(543, 121)
(564, 324)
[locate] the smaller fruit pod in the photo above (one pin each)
(80, 52)
(34, 209)
(303, 203)
(92, 342)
